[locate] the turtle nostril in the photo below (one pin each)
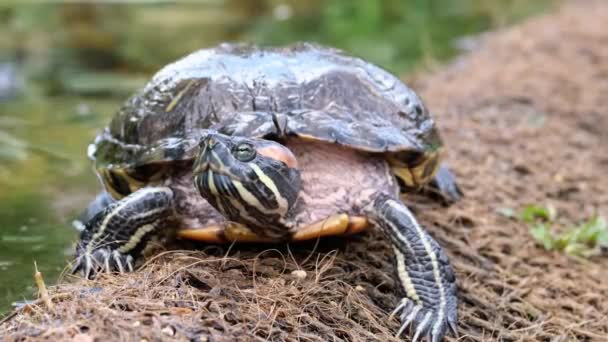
(209, 142)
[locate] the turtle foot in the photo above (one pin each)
(102, 260)
(426, 322)
(444, 186)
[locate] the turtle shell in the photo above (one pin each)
(303, 91)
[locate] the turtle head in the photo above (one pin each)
(416, 167)
(251, 181)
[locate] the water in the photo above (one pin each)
(45, 179)
(68, 51)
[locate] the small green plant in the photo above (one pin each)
(584, 240)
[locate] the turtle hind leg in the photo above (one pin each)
(444, 187)
(423, 271)
(115, 237)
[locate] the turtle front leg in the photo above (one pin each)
(116, 236)
(423, 271)
(444, 186)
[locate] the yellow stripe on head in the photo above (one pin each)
(283, 204)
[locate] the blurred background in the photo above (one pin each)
(65, 69)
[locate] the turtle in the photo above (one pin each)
(242, 143)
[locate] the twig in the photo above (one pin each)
(9, 317)
(29, 306)
(42, 291)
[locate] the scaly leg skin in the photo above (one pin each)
(444, 186)
(115, 237)
(423, 271)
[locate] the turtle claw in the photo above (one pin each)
(86, 265)
(425, 322)
(453, 328)
(82, 263)
(421, 329)
(129, 261)
(102, 260)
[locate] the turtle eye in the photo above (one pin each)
(244, 152)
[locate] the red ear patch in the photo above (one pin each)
(280, 153)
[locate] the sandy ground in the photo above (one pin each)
(525, 118)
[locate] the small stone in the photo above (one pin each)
(299, 274)
(136, 324)
(359, 288)
(82, 338)
(168, 330)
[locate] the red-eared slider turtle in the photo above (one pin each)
(240, 143)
